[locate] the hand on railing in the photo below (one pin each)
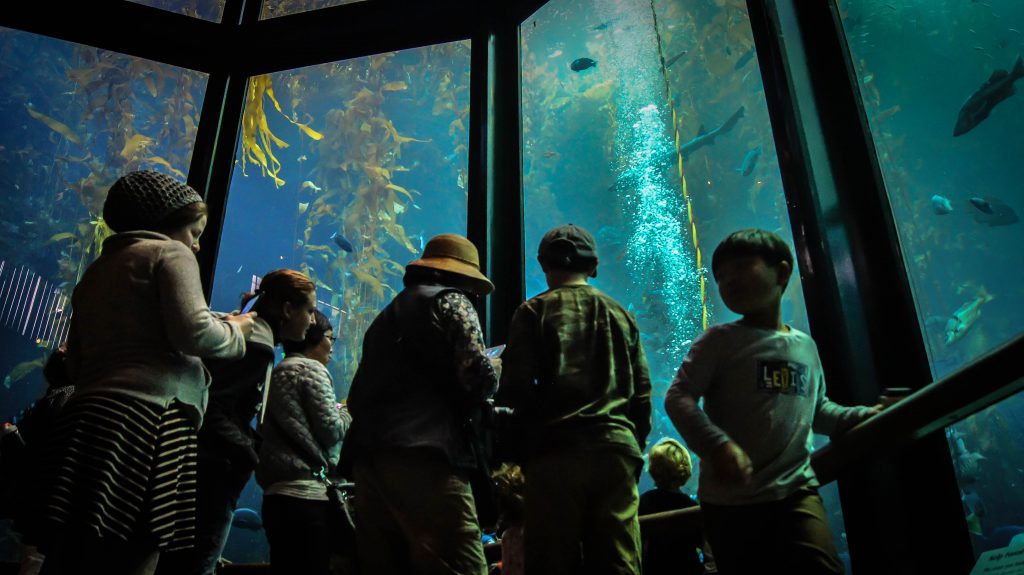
(891, 396)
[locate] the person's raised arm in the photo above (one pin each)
(191, 326)
(476, 375)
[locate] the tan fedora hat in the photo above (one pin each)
(456, 254)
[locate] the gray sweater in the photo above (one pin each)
(141, 324)
(301, 404)
(765, 390)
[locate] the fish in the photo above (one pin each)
(978, 106)
(965, 317)
(303, 206)
(941, 205)
(703, 138)
(749, 161)
(555, 54)
(973, 524)
(580, 64)
(746, 57)
(602, 26)
(674, 59)
(340, 241)
(1000, 214)
(982, 205)
(706, 138)
(245, 518)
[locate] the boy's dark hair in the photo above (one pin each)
(569, 248)
(752, 242)
(314, 335)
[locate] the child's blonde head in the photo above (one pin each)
(669, 464)
(509, 484)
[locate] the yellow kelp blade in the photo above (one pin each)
(54, 125)
(24, 368)
(61, 236)
(166, 164)
(309, 131)
(400, 189)
(134, 145)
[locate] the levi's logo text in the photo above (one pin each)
(783, 377)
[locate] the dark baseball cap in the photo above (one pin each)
(568, 240)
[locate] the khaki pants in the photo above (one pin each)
(581, 513)
(787, 536)
(415, 515)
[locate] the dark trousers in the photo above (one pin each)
(83, 553)
(787, 536)
(219, 484)
(581, 513)
(415, 514)
(297, 530)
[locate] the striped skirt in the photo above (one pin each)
(124, 468)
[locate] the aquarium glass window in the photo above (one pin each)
(72, 120)
(211, 10)
(275, 8)
(650, 129)
(936, 79)
(343, 171)
(988, 455)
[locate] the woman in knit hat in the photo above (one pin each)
(423, 371)
(123, 476)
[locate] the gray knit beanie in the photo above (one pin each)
(140, 200)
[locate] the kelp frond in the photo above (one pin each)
(257, 139)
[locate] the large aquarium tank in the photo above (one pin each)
(643, 121)
(936, 80)
(646, 123)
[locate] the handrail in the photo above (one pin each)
(990, 378)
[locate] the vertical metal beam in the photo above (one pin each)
(496, 207)
(859, 300)
(479, 200)
(216, 139)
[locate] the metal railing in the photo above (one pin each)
(987, 380)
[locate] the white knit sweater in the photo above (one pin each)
(302, 404)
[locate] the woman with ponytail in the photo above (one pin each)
(228, 444)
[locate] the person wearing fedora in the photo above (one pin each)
(576, 377)
(410, 450)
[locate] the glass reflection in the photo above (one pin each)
(276, 8)
(988, 457)
(211, 10)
